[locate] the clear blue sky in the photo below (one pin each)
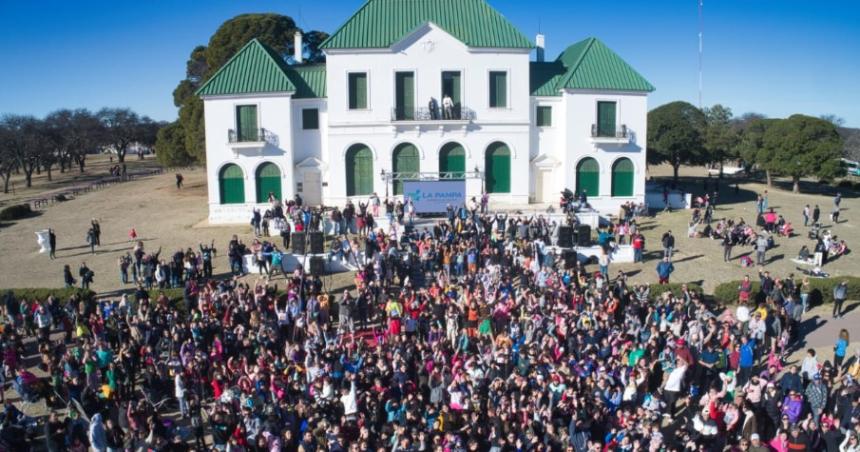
(775, 57)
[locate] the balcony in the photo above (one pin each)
(252, 139)
(621, 136)
(425, 115)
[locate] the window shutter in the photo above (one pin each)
(544, 116)
(357, 91)
(498, 89)
(246, 122)
(606, 119)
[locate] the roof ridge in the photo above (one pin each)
(224, 66)
(344, 24)
(577, 63)
(267, 51)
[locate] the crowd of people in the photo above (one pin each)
(465, 335)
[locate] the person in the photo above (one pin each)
(86, 275)
(206, 254)
(816, 215)
(433, 107)
(840, 294)
(760, 249)
(806, 213)
(840, 349)
(179, 180)
(727, 248)
(68, 279)
(668, 242)
(664, 270)
(638, 247)
(52, 243)
(97, 434)
(447, 107)
(97, 231)
(91, 240)
(834, 215)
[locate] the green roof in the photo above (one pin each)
(544, 78)
(381, 23)
(255, 68)
(592, 65)
(309, 81)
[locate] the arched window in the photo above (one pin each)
(622, 177)
(231, 184)
(497, 168)
(404, 161)
(588, 177)
(268, 181)
(452, 158)
(359, 170)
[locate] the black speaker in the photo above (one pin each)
(565, 236)
(569, 257)
(317, 242)
(317, 265)
(298, 242)
(583, 235)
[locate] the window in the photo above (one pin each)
(246, 123)
(359, 170)
(358, 91)
(498, 89)
(497, 168)
(231, 184)
(310, 119)
(544, 116)
(404, 96)
(606, 119)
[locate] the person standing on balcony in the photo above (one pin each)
(433, 106)
(448, 107)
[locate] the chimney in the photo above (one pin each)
(298, 48)
(540, 44)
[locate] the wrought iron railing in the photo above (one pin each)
(619, 133)
(247, 136)
(436, 114)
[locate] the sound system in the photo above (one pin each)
(317, 242)
(317, 265)
(565, 236)
(297, 240)
(583, 235)
(569, 257)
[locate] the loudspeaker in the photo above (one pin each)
(317, 242)
(569, 257)
(565, 236)
(298, 242)
(317, 265)
(583, 235)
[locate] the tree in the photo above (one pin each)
(7, 155)
(802, 146)
(170, 146)
(751, 144)
(275, 30)
(26, 139)
(833, 119)
(720, 138)
(675, 135)
(122, 127)
(147, 132)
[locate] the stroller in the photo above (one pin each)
(815, 231)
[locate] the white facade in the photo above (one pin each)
(543, 160)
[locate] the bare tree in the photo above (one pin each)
(7, 156)
(27, 142)
(121, 128)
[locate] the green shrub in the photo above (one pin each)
(43, 294)
(857, 186)
(16, 212)
(176, 297)
(821, 290)
(845, 183)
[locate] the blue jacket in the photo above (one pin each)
(747, 354)
(664, 269)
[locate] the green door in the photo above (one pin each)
(246, 123)
(451, 87)
(268, 181)
(606, 119)
(359, 170)
(497, 166)
(404, 161)
(588, 177)
(622, 177)
(405, 96)
(452, 158)
(231, 184)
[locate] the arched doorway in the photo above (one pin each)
(268, 181)
(359, 170)
(622, 177)
(405, 161)
(497, 168)
(452, 158)
(588, 177)
(231, 184)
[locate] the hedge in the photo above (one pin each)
(175, 295)
(821, 290)
(659, 289)
(16, 212)
(43, 294)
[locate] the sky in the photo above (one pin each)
(775, 57)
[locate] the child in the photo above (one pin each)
(132, 235)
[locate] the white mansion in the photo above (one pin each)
(425, 89)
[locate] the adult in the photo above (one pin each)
(668, 241)
(664, 270)
(840, 294)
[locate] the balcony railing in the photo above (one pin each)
(249, 136)
(425, 114)
(619, 133)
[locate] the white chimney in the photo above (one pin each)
(540, 45)
(298, 48)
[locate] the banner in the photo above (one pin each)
(435, 196)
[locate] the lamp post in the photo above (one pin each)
(481, 175)
(385, 180)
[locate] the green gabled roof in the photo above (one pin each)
(544, 78)
(381, 23)
(592, 65)
(309, 81)
(255, 68)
